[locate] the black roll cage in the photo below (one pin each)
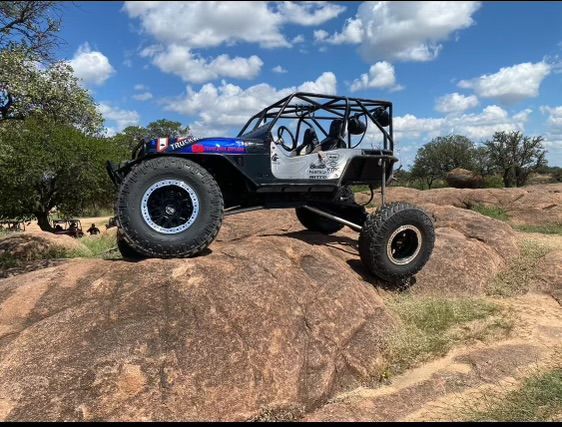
(340, 106)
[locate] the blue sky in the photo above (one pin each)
(463, 67)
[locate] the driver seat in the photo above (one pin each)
(334, 139)
(309, 142)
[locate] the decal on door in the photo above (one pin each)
(162, 144)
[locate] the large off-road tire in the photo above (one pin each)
(127, 251)
(314, 222)
(169, 207)
(396, 241)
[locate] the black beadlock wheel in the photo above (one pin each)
(396, 241)
(169, 207)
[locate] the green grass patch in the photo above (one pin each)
(101, 246)
(538, 399)
(432, 326)
(544, 229)
(517, 278)
(495, 212)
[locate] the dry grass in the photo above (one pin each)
(520, 274)
(537, 397)
(432, 326)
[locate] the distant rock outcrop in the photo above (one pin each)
(463, 178)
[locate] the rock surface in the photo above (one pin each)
(33, 245)
(271, 318)
(263, 323)
(532, 205)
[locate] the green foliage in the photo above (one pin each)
(46, 164)
(544, 229)
(52, 92)
(518, 277)
(443, 154)
(101, 245)
(131, 135)
(431, 326)
(165, 127)
(493, 181)
(495, 212)
(515, 156)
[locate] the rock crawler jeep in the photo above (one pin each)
(302, 152)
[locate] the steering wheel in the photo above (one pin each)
(280, 131)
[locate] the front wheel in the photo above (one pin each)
(126, 250)
(169, 207)
(396, 241)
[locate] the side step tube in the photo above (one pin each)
(351, 225)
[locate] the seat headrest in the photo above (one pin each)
(335, 127)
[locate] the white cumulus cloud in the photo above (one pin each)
(476, 126)
(92, 67)
(403, 31)
(121, 118)
(143, 96)
(455, 103)
(183, 62)
(279, 69)
(212, 23)
(380, 76)
(553, 135)
(229, 105)
(510, 84)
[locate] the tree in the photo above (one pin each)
(515, 156)
(163, 127)
(46, 164)
(130, 136)
(53, 92)
(30, 27)
(441, 155)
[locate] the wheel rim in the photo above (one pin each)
(169, 206)
(404, 244)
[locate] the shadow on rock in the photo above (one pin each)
(338, 242)
(357, 266)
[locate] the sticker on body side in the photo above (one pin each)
(162, 144)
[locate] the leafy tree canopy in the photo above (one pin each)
(443, 154)
(46, 164)
(53, 92)
(515, 156)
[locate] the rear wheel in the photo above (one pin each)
(396, 242)
(169, 207)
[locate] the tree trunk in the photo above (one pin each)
(507, 178)
(43, 221)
